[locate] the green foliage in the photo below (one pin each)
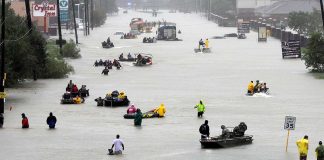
(26, 55)
(55, 67)
(70, 50)
(313, 54)
(305, 23)
(99, 17)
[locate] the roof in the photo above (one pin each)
(287, 6)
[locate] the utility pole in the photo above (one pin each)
(322, 11)
(59, 25)
(209, 9)
(29, 22)
(88, 17)
(2, 76)
(74, 21)
(91, 13)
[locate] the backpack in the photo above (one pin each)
(203, 129)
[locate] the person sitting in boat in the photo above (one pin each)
(131, 110)
(75, 90)
(201, 43)
(240, 129)
(250, 88)
(77, 99)
(225, 132)
(67, 95)
(108, 40)
(179, 32)
(129, 56)
(105, 71)
(121, 56)
(116, 64)
(139, 57)
(114, 94)
(149, 40)
(144, 40)
(204, 130)
(121, 96)
(160, 111)
(264, 88)
(104, 43)
(99, 101)
(257, 87)
(69, 86)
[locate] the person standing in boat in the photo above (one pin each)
(200, 108)
(204, 130)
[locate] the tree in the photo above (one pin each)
(26, 53)
(313, 54)
(305, 23)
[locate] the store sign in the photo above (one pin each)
(64, 4)
(262, 34)
(44, 10)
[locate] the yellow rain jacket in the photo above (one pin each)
(302, 145)
(251, 87)
(121, 95)
(207, 43)
(77, 100)
(160, 110)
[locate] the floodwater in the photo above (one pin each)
(179, 78)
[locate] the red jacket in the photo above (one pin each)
(25, 123)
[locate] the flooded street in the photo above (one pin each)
(179, 78)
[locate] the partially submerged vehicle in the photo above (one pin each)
(231, 35)
(128, 36)
(119, 33)
(149, 40)
(228, 138)
(202, 50)
(137, 24)
(241, 36)
(143, 60)
(168, 33)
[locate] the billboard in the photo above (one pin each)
(246, 3)
(44, 10)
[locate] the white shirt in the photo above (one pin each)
(118, 144)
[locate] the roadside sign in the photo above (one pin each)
(290, 123)
(64, 15)
(39, 10)
(64, 4)
(291, 48)
(3, 95)
(243, 27)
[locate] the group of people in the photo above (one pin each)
(141, 60)
(51, 121)
(259, 87)
(108, 43)
(128, 36)
(203, 44)
(129, 57)
(116, 96)
(238, 131)
(74, 94)
(108, 65)
(302, 145)
(149, 40)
